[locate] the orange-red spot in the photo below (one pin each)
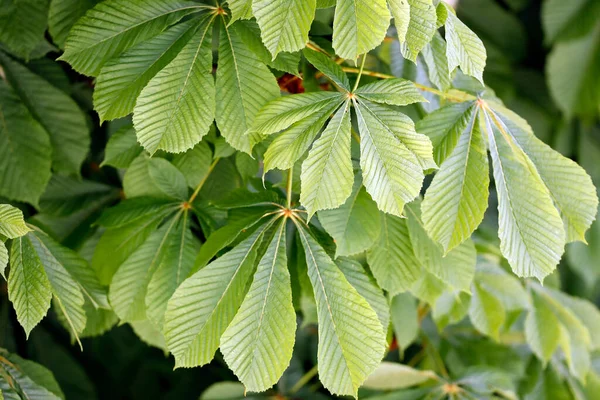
(185, 205)
(451, 388)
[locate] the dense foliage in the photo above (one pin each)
(291, 188)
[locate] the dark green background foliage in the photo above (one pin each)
(87, 186)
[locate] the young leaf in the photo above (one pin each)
(359, 26)
(327, 175)
(25, 152)
(258, 343)
(464, 48)
(355, 224)
(12, 224)
(351, 340)
(284, 24)
(459, 191)
(204, 305)
(176, 109)
(112, 27)
(420, 30)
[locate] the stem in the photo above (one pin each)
(449, 96)
(203, 181)
(304, 380)
(289, 187)
(360, 72)
(435, 355)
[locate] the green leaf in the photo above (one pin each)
(240, 9)
(122, 79)
(393, 92)
(574, 86)
(56, 112)
(3, 259)
(244, 85)
(531, 232)
(63, 14)
(204, 305)
(285, 111)
(405, 319)
(327, 175)
(390, 156)
(486, 312)
(569, 185)
(28, 379)
(568, 19)
(434, 55)
(176, 109)
(24, 151)
(464, 48)
(284, 24)
(355, 224)
(130, 282)
(293, 142)
(168, 179)
(330, 69)
(542, 329)
(367, 287)
(359, 26)
(175, 266)
(456, 268)
(29, 289)
(195, 163)
(122, 148)
(265, 317)
(22, 25)
(457, 198)
(12, 224)
(119, 242)
(394, 376)
(112, 27)
(391, 258)
(401, 13)
(351, 339)
(420, 30)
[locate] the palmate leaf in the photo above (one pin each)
(63, 14)
(464, 48)
(244, 84)
(25, 151)
(390, 159)
(56, 112)
(355, 225)
(22, 25)
(327, 171)
(391, 258)
(284, 24)
(204, 305)
(574, 87)
(420, 29)
(330, 69)
(175, 110)
(24, 379)
(351, 344)
(12, 224)
(112, 27)
(41, 270)
(266, 322)
(122, 79)
(460, 189)
(359, 26)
